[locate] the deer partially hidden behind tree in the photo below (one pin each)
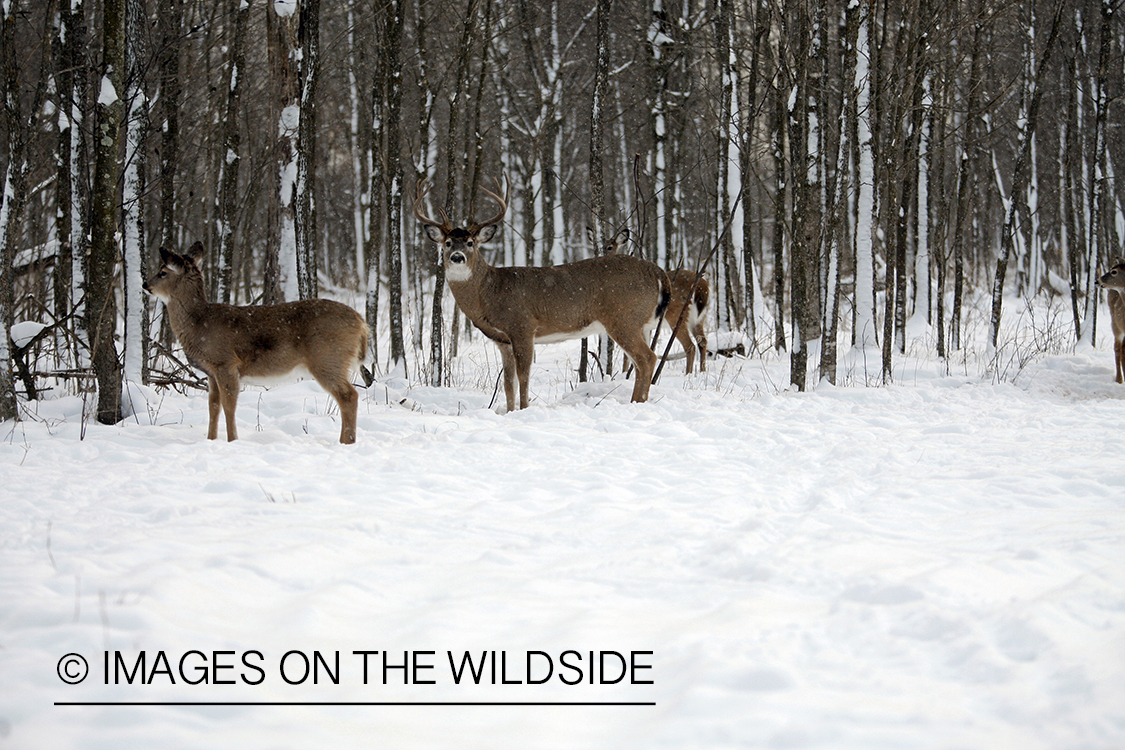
(1113, 281)
(519, 307)
(260, 344)
(690, 290)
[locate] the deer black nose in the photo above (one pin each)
(457, 257)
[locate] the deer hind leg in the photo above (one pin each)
(700, 337)
(333, 378)
(684, 337)
(1119, 357)
(634, 343)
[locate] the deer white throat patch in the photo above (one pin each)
(458, 272)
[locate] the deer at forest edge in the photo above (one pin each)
(518, 307)
(684, 287)
(262, 343)
(1113, 282)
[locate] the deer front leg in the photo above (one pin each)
(213, 405)
(227, 384)
(1119, 357)
(635, 345)
(509, 375)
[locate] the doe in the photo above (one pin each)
(689, 289)
(263, 343)
(1113, 281)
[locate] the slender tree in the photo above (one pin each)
(101, 312)
(304, 189)
(227, 192)
(1023, 166)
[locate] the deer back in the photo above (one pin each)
(264, 341)
(568, 298)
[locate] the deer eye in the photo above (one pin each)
(469, 243)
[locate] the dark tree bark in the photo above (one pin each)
(597, 176)
(101, 311)
(305, 226)
(805, 220)
(393, 161)
(837, 208)
(232, 150)
(1023, 167)
(171, 94)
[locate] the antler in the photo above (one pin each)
(420, 189)
(503, 202)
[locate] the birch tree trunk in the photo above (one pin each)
(864, 326)
(597, 178)
(135, 354)
(281, 278)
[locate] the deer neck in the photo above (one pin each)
(185, 305)
(470, 290)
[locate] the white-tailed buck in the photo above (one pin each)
(1113, 281)
(617, 295)
(321, 338)
(685, 289)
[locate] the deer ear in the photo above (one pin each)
(487, 232)
(195, 254)
(165, 256)
(434, 233)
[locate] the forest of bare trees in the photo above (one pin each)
(843, 167)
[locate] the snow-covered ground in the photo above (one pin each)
(938, 563)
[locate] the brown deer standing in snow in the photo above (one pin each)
(321, 338)
(1113, 282)
(617, 295)
(685, 287)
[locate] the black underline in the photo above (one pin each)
(355, 703)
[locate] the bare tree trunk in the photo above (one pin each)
(232, 150)
(597, 178)
(761, 32)
(101, 312)
(965, 179)
(393, 161)
(171, 92)
(837, 204)
(1022, 166)
(781, 215)
(64, 94)
(1098, 249)
(305, 226)
(135, 354)
(803, 251)
(864, 327)
(282, 277)
(1072, 201)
